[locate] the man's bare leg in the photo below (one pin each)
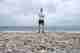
(42, 28)
(39, 28)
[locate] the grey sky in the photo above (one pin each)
(21, 12)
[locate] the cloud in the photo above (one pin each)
(22, 11)
(53, 6)
(13, 10)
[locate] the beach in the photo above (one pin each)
(38, 41)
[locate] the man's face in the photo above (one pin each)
(41, 10)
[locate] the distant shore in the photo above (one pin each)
(34, 29)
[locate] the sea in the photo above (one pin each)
(34, 29)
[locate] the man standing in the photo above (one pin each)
(41, 20)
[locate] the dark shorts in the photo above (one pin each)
(41, 22)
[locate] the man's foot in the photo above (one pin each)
(38, 32)
(42, 31)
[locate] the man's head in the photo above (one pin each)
(41, 10)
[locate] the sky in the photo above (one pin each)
(22, 12)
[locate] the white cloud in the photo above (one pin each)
(16, 9)
(23, 10)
